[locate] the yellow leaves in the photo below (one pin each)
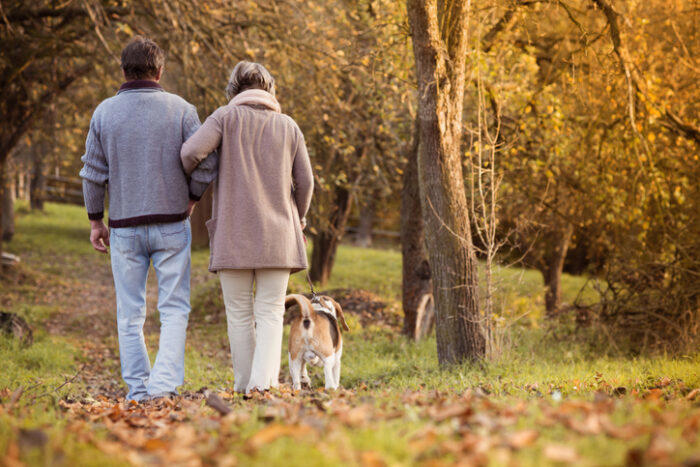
(678, 195)
(651, 137)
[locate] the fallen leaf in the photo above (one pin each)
(371, 459)
(521, 439)
(451, 411)
(560, 453)
(274, 431)
(693, 394)
(154, 444)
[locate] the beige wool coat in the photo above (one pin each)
(264, 184)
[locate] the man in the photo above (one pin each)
(133, 147)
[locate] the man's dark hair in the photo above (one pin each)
(142, 58)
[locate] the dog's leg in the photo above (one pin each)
(328, 365)
(305, 374)
(336, 367)
(295, 371)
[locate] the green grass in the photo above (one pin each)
(537, 363)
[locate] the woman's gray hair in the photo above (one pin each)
(249, 75)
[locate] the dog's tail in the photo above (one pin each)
(304, 306)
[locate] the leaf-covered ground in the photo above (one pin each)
(549, 399)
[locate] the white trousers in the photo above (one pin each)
(254, 324)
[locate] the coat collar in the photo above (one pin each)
(257, 98)
(139, 84)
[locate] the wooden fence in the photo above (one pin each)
(64, 190)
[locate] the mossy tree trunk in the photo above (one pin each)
(440, 47)
(415, 279)
(326, 241)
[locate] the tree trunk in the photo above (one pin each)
(440, 49)
(367, 212)
(3, 164)
(200, 215)
(7, 205)
(552, 267)
(415, 283)
(326, 241)
(37, 185)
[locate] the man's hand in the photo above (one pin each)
(99, 236)
(190, 207)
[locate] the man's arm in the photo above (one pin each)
(95, 173)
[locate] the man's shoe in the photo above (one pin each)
(160, 395)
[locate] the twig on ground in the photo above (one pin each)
(16, 396)
(68, 381)
(216, 403)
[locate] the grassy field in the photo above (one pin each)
(550, 397)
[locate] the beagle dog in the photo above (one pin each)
(315, 339)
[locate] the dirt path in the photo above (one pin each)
(85, 307)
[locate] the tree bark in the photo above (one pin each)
(416, 282)
(440, 49)
(326, 241)
(7, 205)
(3, 165)
(37, 185)
(367, 213)
(552, 266)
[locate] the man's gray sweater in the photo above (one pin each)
(133, 148)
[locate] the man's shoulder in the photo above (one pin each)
(175, 99)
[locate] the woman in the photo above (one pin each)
(261, 196)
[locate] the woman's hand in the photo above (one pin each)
(303, 223)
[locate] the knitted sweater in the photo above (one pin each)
(133, 150)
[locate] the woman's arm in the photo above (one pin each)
(303, 178)
(198, 146)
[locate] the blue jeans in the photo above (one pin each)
(132, 249)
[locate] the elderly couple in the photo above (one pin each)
(147, 148)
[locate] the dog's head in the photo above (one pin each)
(325, 304)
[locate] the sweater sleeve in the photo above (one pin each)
(95, 173)
(302, 177)
(199, 156)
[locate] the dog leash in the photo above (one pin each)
(308, 279)
(311, 286)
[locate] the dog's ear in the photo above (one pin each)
(297, 299)
(339, 314)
